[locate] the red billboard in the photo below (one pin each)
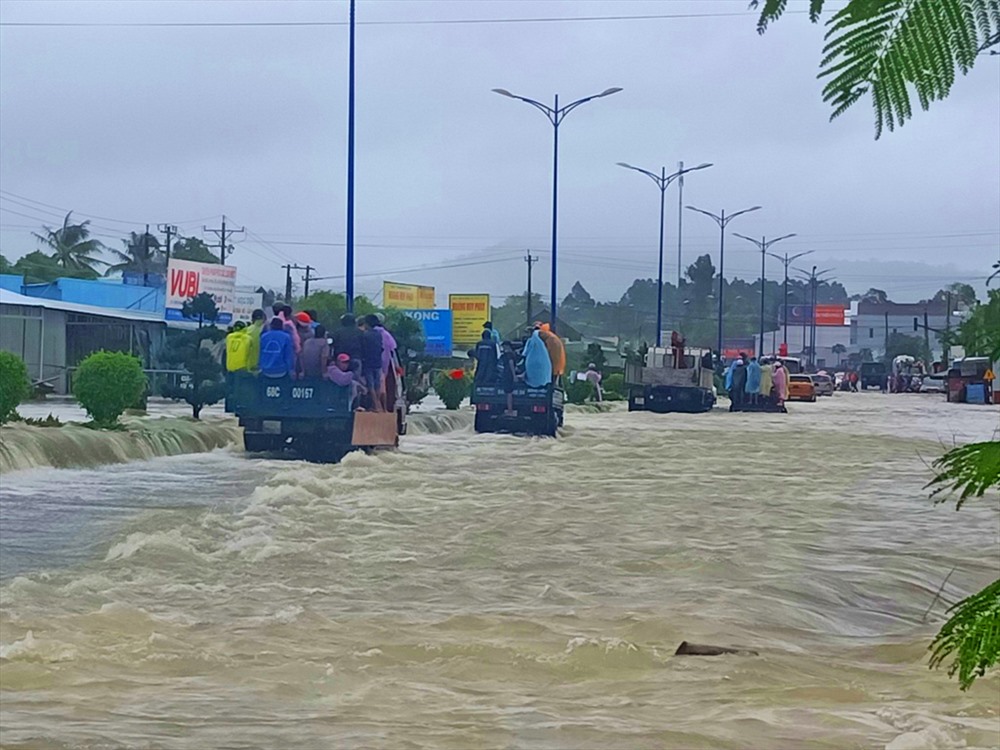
(829, 315)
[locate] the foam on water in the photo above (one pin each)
(490, 590)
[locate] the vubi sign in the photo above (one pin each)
(437, 330)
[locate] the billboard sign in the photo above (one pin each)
(830, 315)
(437, 330)
(187, 279)
(468, 313)
(826, 315)
(407, 296)
(245, 301)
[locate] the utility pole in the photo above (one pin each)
(288, 281)
(170, 230)
(530, 260)
(350, 165)
(224, 235)
(946, 349)
(307, 279)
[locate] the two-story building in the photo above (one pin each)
(876, 321)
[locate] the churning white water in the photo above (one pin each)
(495, 591)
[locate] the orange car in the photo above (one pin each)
(801, 388)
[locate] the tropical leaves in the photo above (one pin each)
(972, 634)
(142, 255)
(72, 247)
(968, 471)
(895, 48)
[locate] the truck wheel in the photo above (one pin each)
(479, 423)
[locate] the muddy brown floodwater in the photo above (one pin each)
(489, 591)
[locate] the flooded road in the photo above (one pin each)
(490, 591)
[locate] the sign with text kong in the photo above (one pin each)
(826, 315)
(407, 296)
(437, 330)
(187, 279)
(468, 313)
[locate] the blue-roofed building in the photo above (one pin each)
(12, 282)
(98, 293)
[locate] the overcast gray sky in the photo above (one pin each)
(183, 124)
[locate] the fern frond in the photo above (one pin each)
(894, 47)
(770, 10)
(969, 470)
(972, 634)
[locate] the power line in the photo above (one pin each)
(412, 22)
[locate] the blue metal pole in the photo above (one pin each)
(350, 168)
(555, 203)
(659, 287)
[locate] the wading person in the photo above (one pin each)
(780, 383)
(753, 381)
(737, 392)
(594, 377)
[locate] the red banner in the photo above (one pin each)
(829, 315)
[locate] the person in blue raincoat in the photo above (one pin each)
(537, 363)
(753, 380)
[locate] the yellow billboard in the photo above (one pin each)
(407, 296)
(468, 313)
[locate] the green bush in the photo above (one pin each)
(108, 383)
(578, 391)
(14, 385)
(613, 385)
(452, 387)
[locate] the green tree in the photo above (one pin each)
(191, 350)
(201, 308)
(409, 334)
(192, 248)
(142, 255)
(595, 355)
(979, 334)
(511, 317)
(38, 268)
(839, 350)
(899, 344)
(108, 383)
(888, 48)
(329, 306)
(961, 294)
(15, 386)
(5, 265)
(72, 248)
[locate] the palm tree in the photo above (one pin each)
(839, 349)
(142, 255)
(72, 247)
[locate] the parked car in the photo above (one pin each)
(936, 383)
(872, 375)
(823, 385)
(801, 388)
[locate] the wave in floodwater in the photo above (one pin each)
(495, 591)
(26, 447)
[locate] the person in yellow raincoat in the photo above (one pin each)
(766, 380)
(557, 352)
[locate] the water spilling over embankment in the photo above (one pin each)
(73, 445)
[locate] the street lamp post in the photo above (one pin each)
(350, 167)
(662, 181)
(762, 244)
(723, 221)
(787, 260)
(814, 278)
(555, 115)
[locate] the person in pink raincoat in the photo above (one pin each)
(780, 378)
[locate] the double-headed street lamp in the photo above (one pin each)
(762, 244)
(723, 221)
(662, 181)
(787, 260)
(555, 115)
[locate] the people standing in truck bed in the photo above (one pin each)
(277, 354)
(347, 340)
(371, 362)
(315, 353)
(555, 348)
(537, 362)
(485, 355)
